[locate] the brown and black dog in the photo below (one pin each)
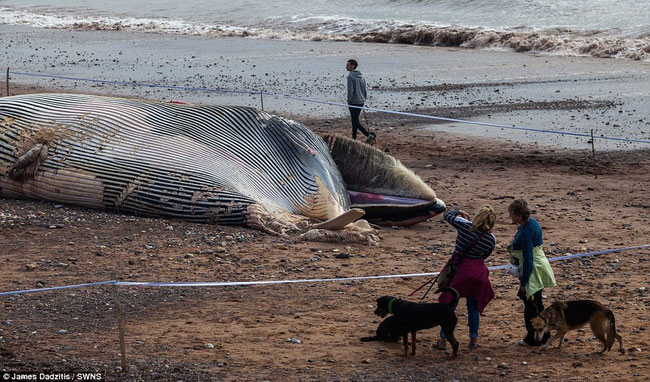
(411, 317)
(564, 316)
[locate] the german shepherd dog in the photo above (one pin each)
(564, 316)
(411, 317)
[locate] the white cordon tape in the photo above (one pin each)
(75, 286)
(277, 95)
(247, 283)
(302, 281)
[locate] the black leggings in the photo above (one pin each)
(356, 124)
(532, 307)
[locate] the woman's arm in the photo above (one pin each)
(526, 243)
(350, 88)
(451, 216)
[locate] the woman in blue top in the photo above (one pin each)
(535, 272)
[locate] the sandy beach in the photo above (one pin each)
(245, 333)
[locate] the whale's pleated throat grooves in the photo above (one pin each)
(200, 163)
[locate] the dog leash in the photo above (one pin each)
(460, 255)
(423, 285)
(429, 290)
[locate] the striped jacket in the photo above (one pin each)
(481, 249)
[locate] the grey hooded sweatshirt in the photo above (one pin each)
(356, 88)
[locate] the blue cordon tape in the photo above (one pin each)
(272, 282)
(433, 117)
(462, 120)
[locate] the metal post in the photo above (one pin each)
(262, 98)
(7, 81)
(593, 153)
(120, 323)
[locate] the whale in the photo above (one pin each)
(231, 165)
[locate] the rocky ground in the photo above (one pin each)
(311, 331)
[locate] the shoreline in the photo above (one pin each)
(574, 95)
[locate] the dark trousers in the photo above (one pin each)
(356, 124)
(532, 307)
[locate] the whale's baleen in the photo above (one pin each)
(217, 164)
(388, 192)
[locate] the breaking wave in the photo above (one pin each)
(552, 41)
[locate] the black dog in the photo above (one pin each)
(387, 331)
(412, 317)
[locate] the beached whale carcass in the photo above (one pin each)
(217, 164)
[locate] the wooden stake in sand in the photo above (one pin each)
(120, 322)
(7, 81)
(593, 154)
(262, 98)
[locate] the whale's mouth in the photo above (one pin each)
(361, 198)
(384, 188)
(389, 210)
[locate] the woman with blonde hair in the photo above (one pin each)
(474, 243)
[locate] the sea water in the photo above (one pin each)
(597, 28)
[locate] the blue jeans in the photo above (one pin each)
(472, 319)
